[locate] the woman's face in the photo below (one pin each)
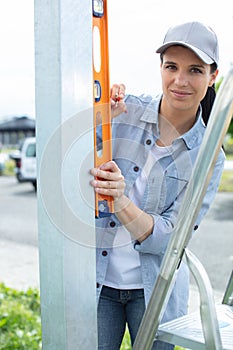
(185, 79)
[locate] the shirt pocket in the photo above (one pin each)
(172, 186)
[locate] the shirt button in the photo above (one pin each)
(148, 142)
(104, 253)
(136, 168)
(112, 224)
(195, 227)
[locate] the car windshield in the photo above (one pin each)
(31, 150)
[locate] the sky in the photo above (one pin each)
(136, 29)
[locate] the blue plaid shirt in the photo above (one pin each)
(133, 136)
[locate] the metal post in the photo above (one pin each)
(218, 124)
(64, 136)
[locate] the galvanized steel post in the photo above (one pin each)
(64, 136)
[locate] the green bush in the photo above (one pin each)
(226, 184)
(9, 167)
(228, 144)
(20, 323)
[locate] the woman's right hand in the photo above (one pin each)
(117, 95)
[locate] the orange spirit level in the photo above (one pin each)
(102, 106)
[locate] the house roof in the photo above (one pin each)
(18, 124)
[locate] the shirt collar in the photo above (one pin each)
(193, 137)
(150, 115)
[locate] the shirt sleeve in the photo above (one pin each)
(164, 224)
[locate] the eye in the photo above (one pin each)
(170, 67)
(196, 70)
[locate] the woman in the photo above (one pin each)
(155, 146)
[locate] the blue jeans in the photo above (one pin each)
(117, 308)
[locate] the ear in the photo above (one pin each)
(213, 77)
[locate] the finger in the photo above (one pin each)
(117, 95)
(110, 166)
(107, 175)
(114, 192)
(112, 172)
(114, 92)
(117, 92)
(122, 91)
(119, 185)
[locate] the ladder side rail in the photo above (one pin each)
(208, 311)
(217, 126)
(228, 295)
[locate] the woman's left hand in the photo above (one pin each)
(117, 95)
(108, 180)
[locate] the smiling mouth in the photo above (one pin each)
(181, 93)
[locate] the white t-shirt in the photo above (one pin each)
(124, 268)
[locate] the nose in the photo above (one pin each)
(181, 78)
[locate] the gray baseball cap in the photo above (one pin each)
(196, 36)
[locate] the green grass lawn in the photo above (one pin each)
(126, 345)
(226, 184)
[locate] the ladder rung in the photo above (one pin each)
(186, 331)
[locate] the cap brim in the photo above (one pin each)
(202, 55)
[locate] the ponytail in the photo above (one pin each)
(208, 100)
(207, 103)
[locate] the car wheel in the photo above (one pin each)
(35, 185)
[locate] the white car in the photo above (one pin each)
(28, 161)
(3, 158)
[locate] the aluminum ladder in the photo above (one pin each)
(150, 327)
(212, 327)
